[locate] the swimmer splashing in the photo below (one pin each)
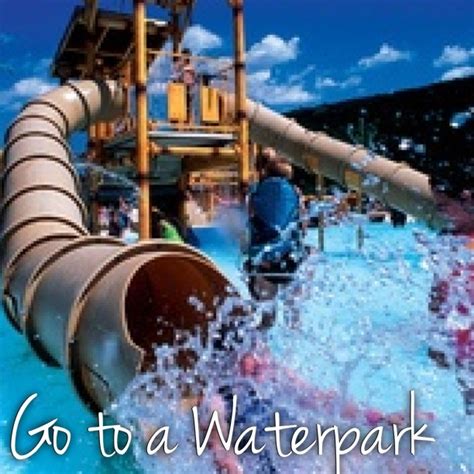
(276, 228)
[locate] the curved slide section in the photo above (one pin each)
(85, 303)
(395, 184)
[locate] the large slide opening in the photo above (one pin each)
(170, 294)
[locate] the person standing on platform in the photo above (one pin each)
(186, 73)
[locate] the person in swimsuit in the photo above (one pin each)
(276, 235)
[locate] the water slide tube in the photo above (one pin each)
(395, 184)
(85, 303)
(90, 304)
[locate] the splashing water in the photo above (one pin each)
(356, 328)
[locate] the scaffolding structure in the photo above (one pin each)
(195, 129)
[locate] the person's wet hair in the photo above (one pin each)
(279, 167)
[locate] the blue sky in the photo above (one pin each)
(300, 52)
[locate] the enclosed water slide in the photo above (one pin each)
(95, 306)
(395, 184)
(89, 304)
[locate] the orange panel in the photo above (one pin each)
(209, 105)
(177, 102)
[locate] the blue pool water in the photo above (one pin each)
(362, 330)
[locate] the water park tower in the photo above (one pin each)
(192, 129)
(86, 303)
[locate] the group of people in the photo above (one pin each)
(121, 220)
(117, 220)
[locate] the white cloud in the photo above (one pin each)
(272, 50)
(25, 89)
(329, 82)
(160, 69)
(386, 54)
(352, 81)
(262, 56)
(454, 56)
(259, 77)
(457, 73)
(31, 86)
(262, 87)
(298, 77)
(325, 82)
(198, 39)
(160, 72)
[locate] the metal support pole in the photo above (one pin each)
(126, 79)
(176, 32)
(320, 185)
(205, 151)
(183, 184)
(142, 162)
(321, 223)
(360, 230)
(321, 231)
(90, 16)
(241, 90)
(94, 204)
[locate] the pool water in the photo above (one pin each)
(362, 330)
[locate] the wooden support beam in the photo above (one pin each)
(126, 58)
(191, 164)
(142, 155)
(90, 14)
(241, 89)
(103, 53)
(212, 153)
(113, 23)
(100, 39)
